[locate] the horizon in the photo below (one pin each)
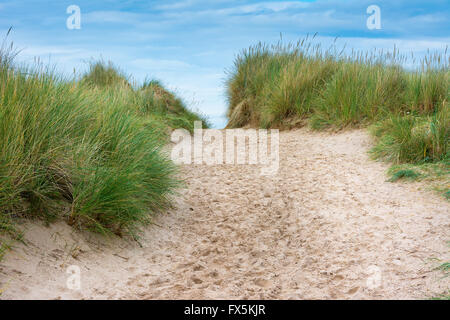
(189, 45)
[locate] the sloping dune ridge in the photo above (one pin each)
(327, 226)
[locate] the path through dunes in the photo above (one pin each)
(324, 227)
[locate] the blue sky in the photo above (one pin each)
(189, 44)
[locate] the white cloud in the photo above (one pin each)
(176, 5)
(264, 6)
(160, 64)
(111, 16)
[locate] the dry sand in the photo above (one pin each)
(328, 226)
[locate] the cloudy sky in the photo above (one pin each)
(189, 44)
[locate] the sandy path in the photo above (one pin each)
(327, 226)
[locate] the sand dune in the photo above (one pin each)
(328, 226)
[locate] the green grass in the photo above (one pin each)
(435, 175)
(408, 112)
(418, 146)
(87, 151)
(413, 139)
(445, 268)
(404, 174)
(162, 106)
(8, 233)
(277, 82)
(442, 297)
(102, 74)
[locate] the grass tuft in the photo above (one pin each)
(408, 174)
(407, 110)
(87, 151)
(103, 75)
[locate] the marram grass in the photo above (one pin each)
(87, 151)
(280, 82)
(284, 85)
